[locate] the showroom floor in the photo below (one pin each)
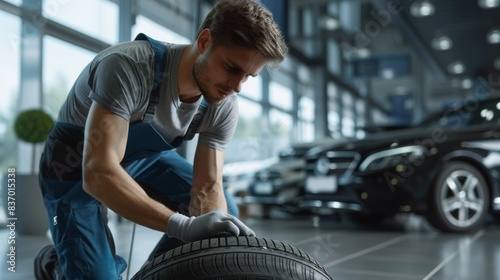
(405, 248)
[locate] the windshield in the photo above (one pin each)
(468, 114)
(449, 118)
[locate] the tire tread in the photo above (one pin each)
(275, 260)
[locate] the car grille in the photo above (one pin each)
(265, 175)
(340, 163)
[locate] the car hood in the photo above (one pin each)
(386, 140)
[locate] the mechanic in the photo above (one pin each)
(113, 144)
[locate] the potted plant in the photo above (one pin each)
(31, 126)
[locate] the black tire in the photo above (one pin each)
(462, 208)
(234, 258)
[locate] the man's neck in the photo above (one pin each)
(186, 86)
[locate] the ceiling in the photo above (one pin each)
(464, 22)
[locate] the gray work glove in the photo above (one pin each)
(189, 229)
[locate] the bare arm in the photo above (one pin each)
(207, 192)
(105, 179)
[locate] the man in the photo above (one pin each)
(112, 145)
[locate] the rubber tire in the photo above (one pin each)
(234, 258)
(437, 216)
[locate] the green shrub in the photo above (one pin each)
(33, 125)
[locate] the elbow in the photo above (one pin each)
(90, 178)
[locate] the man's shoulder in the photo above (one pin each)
(136, 56)
(135, 50)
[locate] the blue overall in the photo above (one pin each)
(78, 222)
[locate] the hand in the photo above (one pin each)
(190, 229)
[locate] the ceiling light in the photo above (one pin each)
(329, 23)
(363, 52)
(487, 114)
(467, 83)
(426, 9)
(388, 73)
(456, 67)
(422, 9)
(493, 36)
(488, 4)
(442, 43)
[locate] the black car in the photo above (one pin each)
(282, 182)
(447, 169)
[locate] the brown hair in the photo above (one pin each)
(246, 23)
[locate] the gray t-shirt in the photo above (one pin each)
(120, 78)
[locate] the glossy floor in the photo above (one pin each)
(405, 248)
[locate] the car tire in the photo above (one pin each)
(459, 199)
(234, 258)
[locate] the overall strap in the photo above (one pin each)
(195, 123)
(159, 68)
(193, 127)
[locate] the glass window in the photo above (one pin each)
(332, 91)
(58, 74)
(252, 88)
(280, 96)
(305, 131)
(304, 73)
(378, 117)
(15, 2)
(334, 59)
(249, 135)
(154, 30)
(308, 29)
(96, 18)
(281, 132)
(288, 64)
(348, 114)
(348, 126)
(360, 118)
(10, 26)
(306, 108)
(334, 123)
(333, 110)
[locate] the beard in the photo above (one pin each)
(203, 82)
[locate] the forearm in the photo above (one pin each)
(207, 198)
(114, 187)
(206, 192)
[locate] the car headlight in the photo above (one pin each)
(413, 155)
(322, 166)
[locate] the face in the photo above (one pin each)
(221, 71)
